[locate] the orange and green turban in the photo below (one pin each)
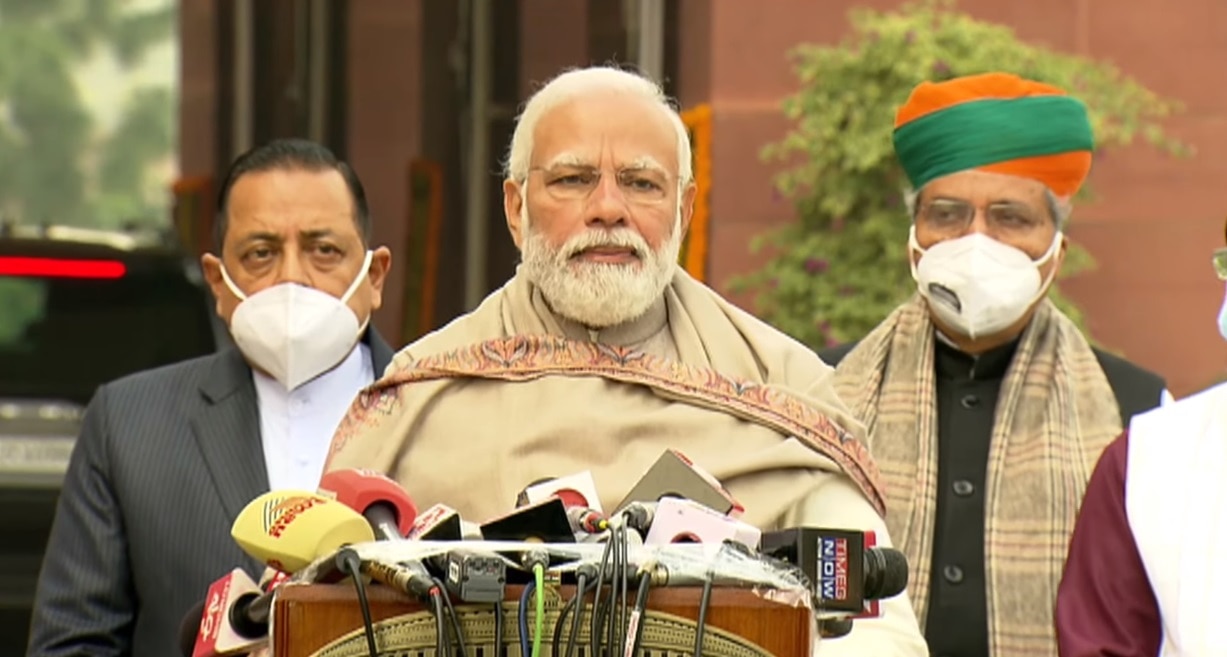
(994, 122)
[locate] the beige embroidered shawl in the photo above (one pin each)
(444, 397)
(1055, 414)
(472, 413)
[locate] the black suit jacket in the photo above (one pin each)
(1137, 390)
(165, 461)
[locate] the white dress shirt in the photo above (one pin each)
(296, 426)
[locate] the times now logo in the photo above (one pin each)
(833, 568)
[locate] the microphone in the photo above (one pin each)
(674, 475)
(686, 521)
(847, 572)
(442, 523)
(544, 522)
(577, 490)
(586, 520)
(378, 498)
(227, 622)
(289, 529)
(578, 495)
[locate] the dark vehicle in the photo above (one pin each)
(78, 308)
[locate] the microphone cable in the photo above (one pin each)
(596, 623)
(701, 624)
(583, 575)
(609, 619)
(639, 616)
(537, 560)
(443, 646)
(349, 563)
(452, 617)
(620, 629)
(532, 647)
(499, 620)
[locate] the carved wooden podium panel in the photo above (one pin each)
(307, 619)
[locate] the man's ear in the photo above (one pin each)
(211, 267)
(686, 207)
(513, 209)
(381, 264)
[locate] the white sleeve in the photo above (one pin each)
(836, 502)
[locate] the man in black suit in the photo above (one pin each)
(167, 458)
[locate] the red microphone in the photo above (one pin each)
(578, 495)
(378, 498)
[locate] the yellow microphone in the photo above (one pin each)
(289, 529)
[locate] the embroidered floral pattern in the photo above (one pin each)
(522, 358)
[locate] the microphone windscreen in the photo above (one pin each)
(361, 489)
(289, 529)
(886, 573)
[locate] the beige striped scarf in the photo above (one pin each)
(1055, 414)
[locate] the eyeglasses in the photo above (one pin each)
(949, 217)
(572, 183)
(1220, 263)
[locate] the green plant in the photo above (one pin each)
(841, 267)
(63, 162)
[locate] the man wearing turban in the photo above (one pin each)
(986, 407)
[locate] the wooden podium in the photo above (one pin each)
(326, 619)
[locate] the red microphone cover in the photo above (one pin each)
(360, 489)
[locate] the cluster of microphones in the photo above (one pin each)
(318, 537)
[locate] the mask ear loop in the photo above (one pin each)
(913, 245)
(1052, 275)
(353, 287)
(362, 274)
(234, 289)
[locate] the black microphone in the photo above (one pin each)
(546, 521)
(844, 569)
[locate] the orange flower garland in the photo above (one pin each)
(698, 121)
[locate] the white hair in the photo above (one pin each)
(1060, 208)
(577, 83)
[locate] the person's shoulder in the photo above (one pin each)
(764, 334)
(1120, 368)
(1208, 401)
(463, 331)
(166, 379)
(833, 355)
(1137, 389)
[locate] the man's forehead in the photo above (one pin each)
(981, 184)
(618, 130)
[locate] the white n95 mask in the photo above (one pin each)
(294, 332)
(1222, 319)
(977, 285)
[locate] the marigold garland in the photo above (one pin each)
(698, 121)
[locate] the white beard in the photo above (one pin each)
(597, 294)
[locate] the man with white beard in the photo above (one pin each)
(600, 353)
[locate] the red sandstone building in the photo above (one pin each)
(388, 84)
